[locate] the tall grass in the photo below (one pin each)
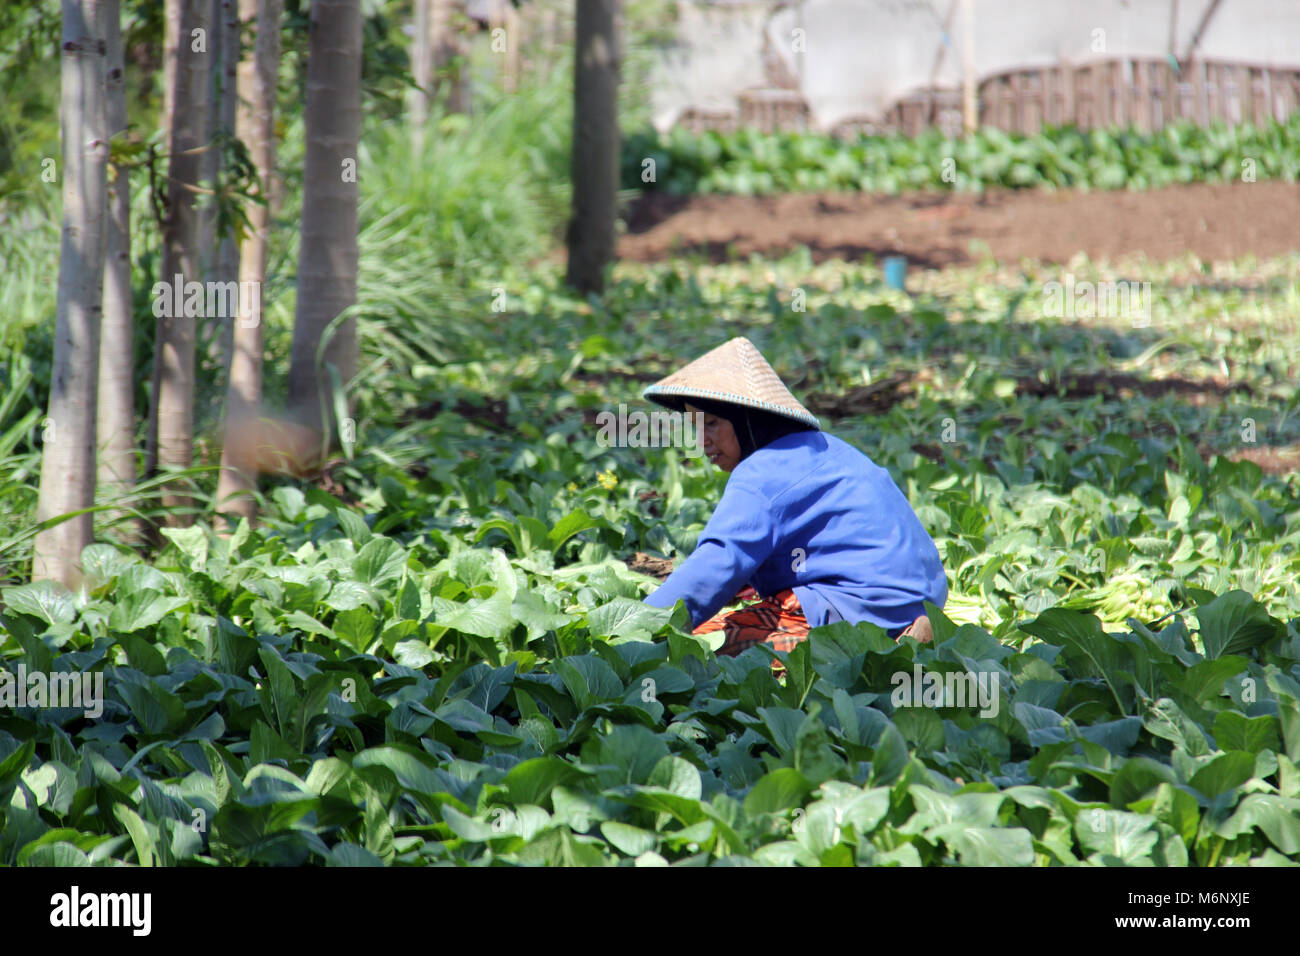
(450, 231)
(440, 231)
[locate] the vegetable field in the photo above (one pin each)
(437, 654)
(749, 162)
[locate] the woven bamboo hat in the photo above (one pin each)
(734, 372)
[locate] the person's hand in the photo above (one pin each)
(919, 630)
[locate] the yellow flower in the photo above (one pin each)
(572, 486)
(607, 480)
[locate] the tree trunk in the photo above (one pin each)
(210, 162)
(68, 455)
(591, 235)
(116, 409)
(514, 42)
(327, 263)
(255, 126)
(171, 44)
(219, 255)
(171, 416)
(421, 72)
(437, 25)
(451, 53)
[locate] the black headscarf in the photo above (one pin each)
(754, 428)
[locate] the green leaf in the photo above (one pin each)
(146, 848)
(1165, 719)
(813, 755)
(574, 522)
(677, 776)
(350, 854)
(380, 561)
(355, 627)
(1234, 731)
(533, 780)
(143, 656)
(489, 617)
(156, 710)
(630, 840)
(306, 623)
(779, 790)
(353, 525)
(466, 827)
(412, 768)
(346, 595)
(1138, 777)
(625, 617)
(589, 679)
(536, 614)
(47, 601)
(191, 542)
(630, 752)
(1129, 837)
(941, 814)
(1178, 809)
(413, 653)
(13, 766)
(1235, 622)
(57, 852)
(140, 609)
(1278, 818)
(290, 501)
(993, 846)
(102, 563)
(1205, 679)
(1288, 711)
(891, 756)
(1223, 773)
(1084, 640)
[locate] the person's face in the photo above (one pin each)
(720, 443)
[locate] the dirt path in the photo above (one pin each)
(1214, 221)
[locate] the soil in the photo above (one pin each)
(1272, 459)
(1118, 385)
(1211, 220)
(494, 413)
(646, 564)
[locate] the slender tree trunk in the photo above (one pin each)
(68, 455)
(210, 162)
(219, 254)
(171, 417)
(435, 66)
(421, 72)
(514, 41)
(327, 263)
(255, 125)
(116, 409)
(450, 53)
(171, 44)
(591, 233)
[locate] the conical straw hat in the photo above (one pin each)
(734, 372)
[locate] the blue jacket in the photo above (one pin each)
(811, 513)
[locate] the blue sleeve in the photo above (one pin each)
(738, 538)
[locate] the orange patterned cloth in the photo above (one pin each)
(777, 621)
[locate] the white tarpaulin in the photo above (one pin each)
(856, 58)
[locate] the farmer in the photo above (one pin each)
(817, 531)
